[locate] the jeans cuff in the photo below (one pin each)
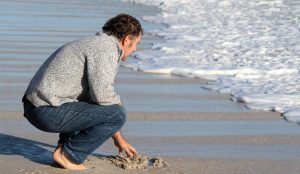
(71, 155)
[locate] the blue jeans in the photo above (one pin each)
(83, 127)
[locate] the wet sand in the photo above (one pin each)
(194, 130)
(219, 140)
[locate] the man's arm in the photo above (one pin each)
(123, 145)
(101, 71)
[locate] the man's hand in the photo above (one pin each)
(123, 145)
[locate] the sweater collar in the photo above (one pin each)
(116, 41)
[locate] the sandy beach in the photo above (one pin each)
(192, 129)
(225, 138)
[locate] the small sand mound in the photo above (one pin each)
(139, 162)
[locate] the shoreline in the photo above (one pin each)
(255, 67)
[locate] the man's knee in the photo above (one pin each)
(121, 115)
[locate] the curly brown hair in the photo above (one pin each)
(123, 25)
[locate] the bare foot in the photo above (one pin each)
(61, 158)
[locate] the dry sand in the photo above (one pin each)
(178, 165)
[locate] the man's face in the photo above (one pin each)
(129, 45)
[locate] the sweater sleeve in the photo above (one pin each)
(101, 72)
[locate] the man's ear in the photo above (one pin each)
(126, 40)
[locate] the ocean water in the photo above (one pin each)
(250, 48)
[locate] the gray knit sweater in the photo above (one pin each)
(82, 70)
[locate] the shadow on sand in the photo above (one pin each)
(29, 149)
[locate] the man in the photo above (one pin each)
(73, 92)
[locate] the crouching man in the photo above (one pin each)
(73, 93)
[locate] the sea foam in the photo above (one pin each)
(250, 48)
